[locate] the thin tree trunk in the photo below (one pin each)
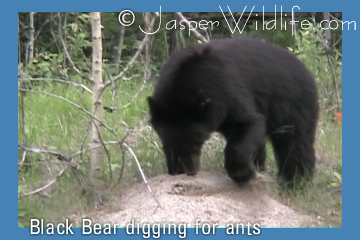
(173, 36)
(327, 31)
(98, 85)
(119, 49)
(21, 95)
(30, 53)
(21, 114)
(147, 69)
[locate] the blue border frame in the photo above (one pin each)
(351, 95)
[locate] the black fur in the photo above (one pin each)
(246, 89)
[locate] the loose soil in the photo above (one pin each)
(211, 197)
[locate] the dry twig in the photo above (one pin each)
(141, 172)
(131, 62)
(56, 80)
(46, 185)
(59, 156)
(197, 34)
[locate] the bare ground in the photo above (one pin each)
(210, 197)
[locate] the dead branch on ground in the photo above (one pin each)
(25, 80)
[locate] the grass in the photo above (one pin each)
(54, 124)
(323, 198)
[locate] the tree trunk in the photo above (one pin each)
(30, 47)
(119, 49)
(98, 85)
(147, 59)
(327, 31)
(174, 41)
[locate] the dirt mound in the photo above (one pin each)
(210, 197)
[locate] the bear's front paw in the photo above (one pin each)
(242, 175)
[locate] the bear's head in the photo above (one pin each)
(182, 137)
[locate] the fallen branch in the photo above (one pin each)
(59, 156)
(93, 147)
(46, 185)
(142, 173)
(56, 80)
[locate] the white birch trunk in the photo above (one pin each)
(97, 100)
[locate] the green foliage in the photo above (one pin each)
(78, 42)
(46, 65)
(54, 124)
(327, 68)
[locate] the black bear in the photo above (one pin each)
(246, 89)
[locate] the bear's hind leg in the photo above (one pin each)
(295, 156)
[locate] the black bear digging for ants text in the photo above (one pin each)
(246, 89)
